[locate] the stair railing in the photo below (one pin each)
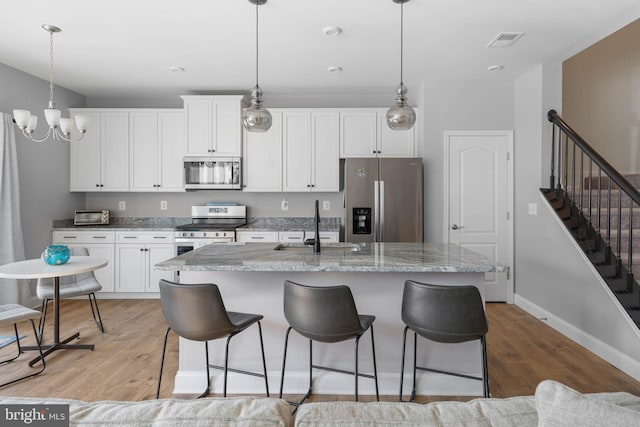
(572, 182)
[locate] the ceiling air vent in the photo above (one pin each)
(504, 39)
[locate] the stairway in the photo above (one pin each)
(599, 240)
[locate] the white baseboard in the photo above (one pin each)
(190, 382)
(612, 355)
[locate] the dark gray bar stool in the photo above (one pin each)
(13, 314)
(325, 314)
(71, 286)
(446, 314)
(196, 312)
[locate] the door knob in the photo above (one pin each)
(456, 226)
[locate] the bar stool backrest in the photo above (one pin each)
(195, 311)
(449, 314)
(321, 313)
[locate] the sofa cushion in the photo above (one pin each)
(559, 405)
(515, 411)
(241, 412)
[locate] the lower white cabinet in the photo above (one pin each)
(257, 236)
(98, 243)
(136, 255)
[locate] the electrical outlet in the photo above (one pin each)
(285, 205)
(533, 209)
(163, 205)
(326, 205)
(122, 205)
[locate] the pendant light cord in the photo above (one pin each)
(257, 43)
(401, 38)
(51, 69)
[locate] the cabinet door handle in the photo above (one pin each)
(99, 237)
(129, 237)
(257, 237)
(69, 237)
(159, 237)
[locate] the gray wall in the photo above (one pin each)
(43, 167)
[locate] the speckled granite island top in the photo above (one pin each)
(339, 257)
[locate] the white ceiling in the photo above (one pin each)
(125, 47)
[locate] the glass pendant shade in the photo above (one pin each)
(401, 116)
(256, 118)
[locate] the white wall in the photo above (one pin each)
(553, 279)
(43, 167)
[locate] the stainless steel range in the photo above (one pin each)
(210, 224)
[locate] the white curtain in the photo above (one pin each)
(11, 241)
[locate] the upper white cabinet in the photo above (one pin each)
(262, 159)
(156, 150)
(364, 133)
(213, 125)
(311, 142)
(99, 162)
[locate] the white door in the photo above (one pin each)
(479, 184)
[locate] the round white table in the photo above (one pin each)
(37, 269)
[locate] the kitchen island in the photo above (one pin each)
(251, 280)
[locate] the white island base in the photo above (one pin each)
(375, 293)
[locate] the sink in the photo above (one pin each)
(326, 247)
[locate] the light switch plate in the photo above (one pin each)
(533, 209)
(122, 205)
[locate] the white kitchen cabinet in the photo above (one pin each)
(213, 125)
(136, 254)
(311, 150)
(98, 243)
(156, 150)
(301, 236)
(262, 159)
(364, 133)
(99, 162)
(257, 236)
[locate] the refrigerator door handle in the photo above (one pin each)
(376, 211)
(381, 207)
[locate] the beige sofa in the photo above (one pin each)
(553, 405)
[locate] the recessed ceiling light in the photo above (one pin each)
(334, 69)
(332, 31)
(495, 67)
(176, 69)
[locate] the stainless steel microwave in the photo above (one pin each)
(212, 173)
(91, 217)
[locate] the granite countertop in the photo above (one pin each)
(124, 224)
(337, 257)
(169, 223)
(291, 224)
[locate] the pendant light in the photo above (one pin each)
(401, 116)
(256, 118)
(59, 128)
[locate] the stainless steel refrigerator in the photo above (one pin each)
(383, 198)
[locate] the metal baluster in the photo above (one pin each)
(552, 180)
(630, 249)
(619, 239)
(589, 193)
(607, 257)
(566, 169)
(573, 179)
(581, 187)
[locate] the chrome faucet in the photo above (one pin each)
(316, 241)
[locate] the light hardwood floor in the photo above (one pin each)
(124, 365)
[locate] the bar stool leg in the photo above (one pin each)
(375, 368)
(284, 360)
(164, 349)
(404, 346)
(206, 352)
(415, 358)
(356, 371)
(264, 363)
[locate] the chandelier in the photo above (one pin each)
(59, 128)
(401, 116)
(256, 118)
